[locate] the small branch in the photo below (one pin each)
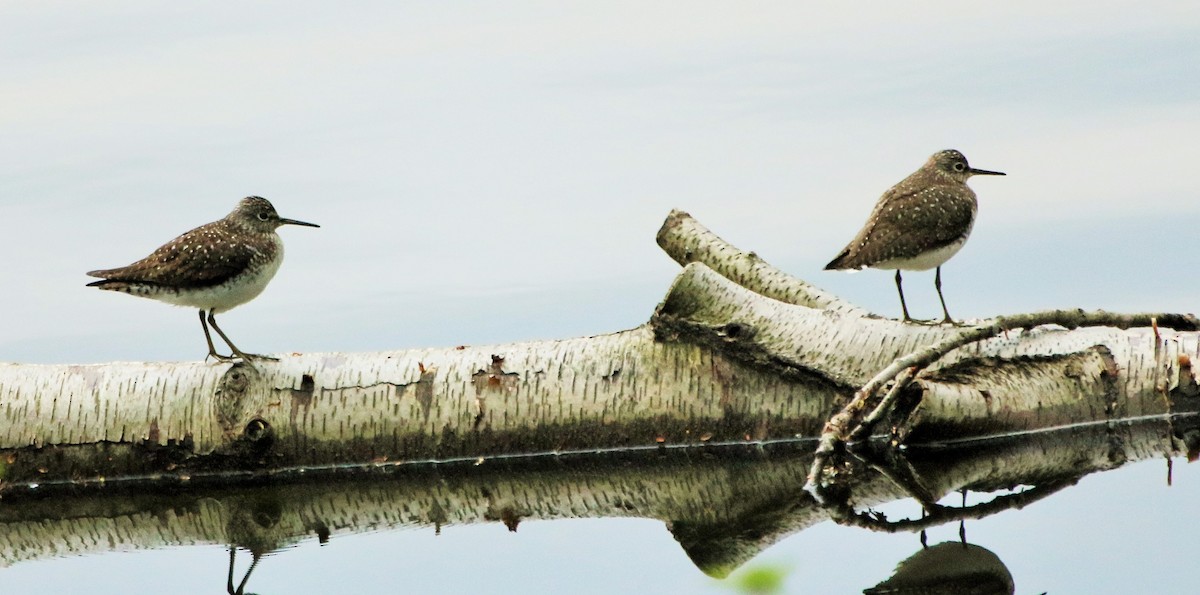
(838, 428)
(868, 423)
(686, 241)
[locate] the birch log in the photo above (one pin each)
(766, 357)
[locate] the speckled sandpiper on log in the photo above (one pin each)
(215, 267)
(918, 224)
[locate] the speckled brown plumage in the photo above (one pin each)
(911, 218)
(919, 223)
(209, 255)
(215, 267)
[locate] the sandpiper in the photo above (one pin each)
(918, 224)
(215, 267)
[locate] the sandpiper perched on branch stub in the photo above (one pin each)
(918, 224)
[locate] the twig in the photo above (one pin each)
(868, 423)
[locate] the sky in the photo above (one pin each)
(491, 172)
(487, 172)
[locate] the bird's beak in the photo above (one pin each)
(283, 221)
(984, 172)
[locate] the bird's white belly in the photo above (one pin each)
(924, 261)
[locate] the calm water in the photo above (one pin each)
(493, 172)
(507, 527)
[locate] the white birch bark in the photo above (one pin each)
(618, 390)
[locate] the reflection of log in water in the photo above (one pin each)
(723, 504)
(1041, 463)
(709, 487)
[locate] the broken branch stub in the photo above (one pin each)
(686, 241)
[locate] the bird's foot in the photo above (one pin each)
(922, 321)
(250, 356)
(238, 355)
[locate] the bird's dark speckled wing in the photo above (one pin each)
(905, 224)
(203, 257)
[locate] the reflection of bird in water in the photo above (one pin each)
(950, 568)
(918, 224)
(241, 588)
(253, 525)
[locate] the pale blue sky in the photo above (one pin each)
(496, 171)
(486, 172)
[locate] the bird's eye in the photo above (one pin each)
(263, 216)
(959, 166)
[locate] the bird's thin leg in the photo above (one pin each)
(212, 351)
(903, 306)
(253, 562)
(937, 283)
(232, 548)
(238, 352)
